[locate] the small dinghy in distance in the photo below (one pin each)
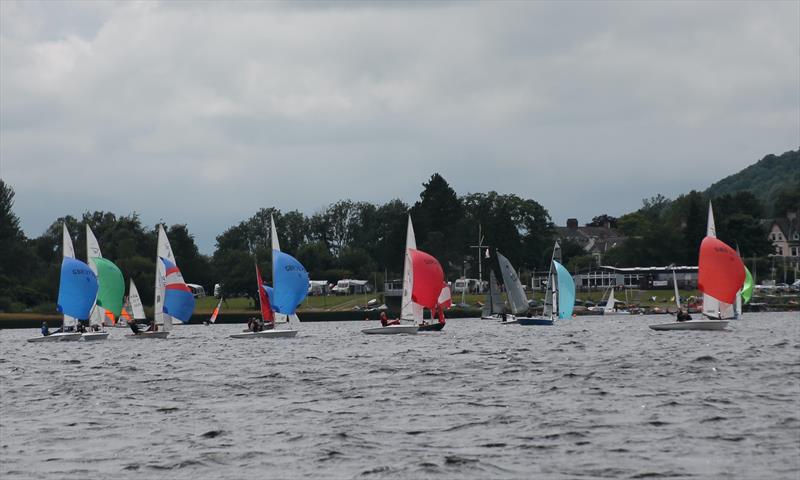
(392, 329)
(559, 299)
(720, 276)
(423, 285)
(77, 290)
(290, 287)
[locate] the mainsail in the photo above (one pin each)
(408, 309)
(136, 302)
(516, 295)
(494, 304)
(67, 251)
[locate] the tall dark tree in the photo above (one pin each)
(437, 218)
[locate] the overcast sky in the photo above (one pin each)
(202, 113)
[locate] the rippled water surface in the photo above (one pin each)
(591, 397)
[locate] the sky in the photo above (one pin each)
(203, 112)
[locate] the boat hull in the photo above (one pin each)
(266, 334)
(392, 330)
(535, 321)
(431, 327)
(93, 336)
(143, 335)
(692, 325)
(57, 337)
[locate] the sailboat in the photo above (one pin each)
(559, 297)
(173, 298)
(423, 280)
(720, 276)
(108, 303)
(215, 313)
(77, 291)
(610, 308)
(289, 289)
(516, 294)
(494, 306)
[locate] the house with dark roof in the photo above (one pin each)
(595, 241)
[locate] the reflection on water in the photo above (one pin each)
(591, 397)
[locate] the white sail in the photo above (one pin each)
(66, 243)
(136, 302)
(551, 294)
(408, 309)
(164, 251)
(273, 234)
(711, 231)
(68, 251)
(98, 314)
(677, 294)
(516, 295)
(609, 308)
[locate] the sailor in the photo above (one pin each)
(45, 329)
(683, 315)
(152, 327)
(134, 327)
(80, 328)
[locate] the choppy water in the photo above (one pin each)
(591, 397)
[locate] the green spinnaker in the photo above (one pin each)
(112, 286)
(747, 289)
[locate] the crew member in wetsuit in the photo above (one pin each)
(683, 315)
(80, 328)
(134, 326)
(386, 322)
(45, 329)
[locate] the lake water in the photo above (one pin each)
(591, 397)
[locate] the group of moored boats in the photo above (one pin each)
(94, 291)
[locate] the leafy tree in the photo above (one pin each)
(437, 218)
(602, 221)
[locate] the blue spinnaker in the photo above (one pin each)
(77, 289)
(566, 291)
(290, 283)
(178, 298)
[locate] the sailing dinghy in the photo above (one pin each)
(720, 276)
(111, 291)
(559, 299)
(77, 290)
(290, 287)
(423, 281)
(494, 307)
(173, 298)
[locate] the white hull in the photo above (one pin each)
(692, 325)
(391, 329)
(58, 337)
(142, 335)
(609, 313)
(266, 334)
(509, 321)
(90, 336)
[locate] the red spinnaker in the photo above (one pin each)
(428, 278)
(263, 299)
(720, 270)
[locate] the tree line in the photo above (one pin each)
(351, 239)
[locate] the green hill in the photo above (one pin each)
(765, 179)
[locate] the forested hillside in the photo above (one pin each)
(767, 179)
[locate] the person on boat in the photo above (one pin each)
(95, 328)
(439, 311)
(134, 326)
(152, 327)
(80, 328)
(45, 329)
(386, 322)
(683, 315)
